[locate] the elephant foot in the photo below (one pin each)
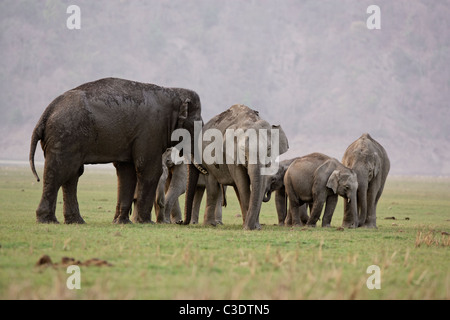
(179, 222)
(46, 219)
(218, 222)
(74, 220)
(327, 225)
(143, 220)
(146, 222)
(210, 223)
(370, 226)
(256, 226)
(349, 225)
(120, 220)
(298, 225)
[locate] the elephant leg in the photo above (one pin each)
(126, 178)
(212, 194)
(168, 200)
(58, 170)
(146, 188)
(294, 211)
(71, 209)
(316, 210)
(329, 210)
(372, 220)
(160, 200)
(304, 212)
(175, 214)
(280, 204)
(372, 199)
(362, 204)
(256, 196)
(197, 203)
(159, 211)
(219, 203)
(45, 212)
(170, 207)
(242, 189)
(295, 215)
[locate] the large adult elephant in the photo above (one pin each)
(370, 161)
(318, 179)
(110, 120)
(228, 168)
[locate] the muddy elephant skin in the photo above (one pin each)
(109, 120)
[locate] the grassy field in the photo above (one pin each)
(225, 262)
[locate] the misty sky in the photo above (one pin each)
(312, 66)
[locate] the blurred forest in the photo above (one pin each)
(312, 66)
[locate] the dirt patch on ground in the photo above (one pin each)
(46, 261)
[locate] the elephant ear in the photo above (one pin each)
(182, 115)
(333, 181)
(282, 139)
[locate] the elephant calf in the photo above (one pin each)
(275, 183)
(371, 163)
(174, 185)
(171, 185)
(317, 178)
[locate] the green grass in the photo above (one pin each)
(226, 262)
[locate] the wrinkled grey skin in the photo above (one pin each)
(246, 178)
(370, 161)
(171, 186)
(319, 179)
(109, 120)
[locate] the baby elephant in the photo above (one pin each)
(317, 178)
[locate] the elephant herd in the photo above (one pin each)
(131, 124)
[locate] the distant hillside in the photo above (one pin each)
(311, 66)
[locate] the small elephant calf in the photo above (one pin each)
(317, 178)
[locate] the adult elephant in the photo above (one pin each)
(371, 163)
(318, 179)
(236, 166)
(109, 120)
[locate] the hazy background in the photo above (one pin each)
(311, 66)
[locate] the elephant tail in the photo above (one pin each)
(37, 135)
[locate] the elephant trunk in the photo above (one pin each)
(193, 172)
(351, 219)
(267, 196)
(193, 175)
